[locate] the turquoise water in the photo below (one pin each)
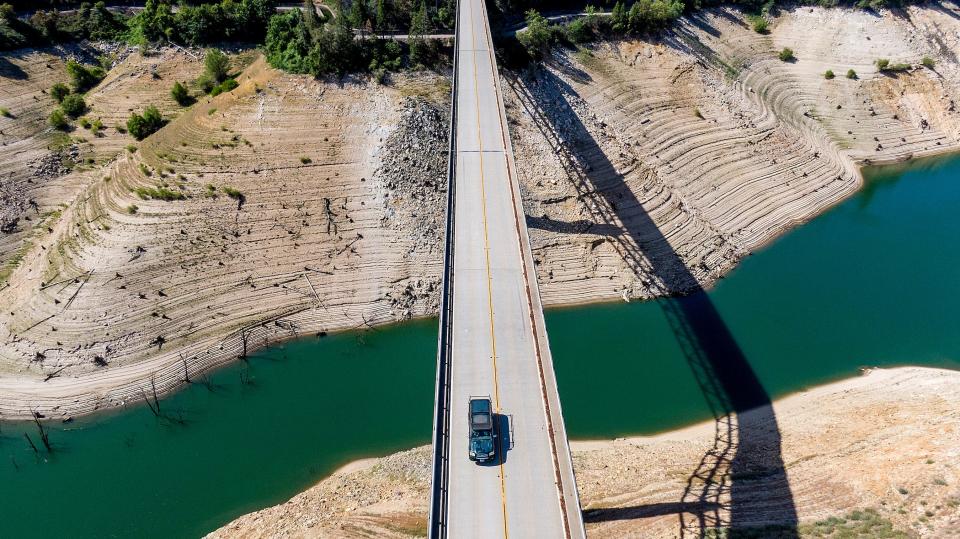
(871, 282)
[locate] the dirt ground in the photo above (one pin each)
(869, 457)
(649, 167)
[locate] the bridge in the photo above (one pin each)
(493, 338)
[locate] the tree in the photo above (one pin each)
(619, 18)
(380, 17)
(142, 127)
(538, 37)
(288, 42)
(74, 105)
(358, 14)
(180, 94)
(312, 20)
(418, 28)
(58, 91)
(335, 51)
(216, 65)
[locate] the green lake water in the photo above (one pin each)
(871, 282)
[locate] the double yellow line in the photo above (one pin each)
(486, 252)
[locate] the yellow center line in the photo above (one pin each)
(486, 249)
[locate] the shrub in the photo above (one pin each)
(180, 94)
(74, 105)
(928, 62)
(158, 193)
(233, 193)
(697, 113)
(306, 160)
(579, 31)
(215, 65)
(58, 91)
(5, 112)
(828, 74)
(143, 126)
(131, 148)
(58, 120)
(760, 24)
(84, 77)
(84, 123)
(884, 66)
(224, 86)
(851, 74)
(132, 209)
(786, 55)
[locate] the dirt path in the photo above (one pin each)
(874, 455)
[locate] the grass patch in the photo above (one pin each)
(928, 62)
(158, 193)
(233, 193)
(212, 111)
(145, 170)
(860, 524)
(132, 148)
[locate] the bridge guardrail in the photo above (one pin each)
(439, 485)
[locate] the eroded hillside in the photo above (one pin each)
(643, 158)
(267, 212)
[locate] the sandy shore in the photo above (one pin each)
(695, 148)
(885, 444)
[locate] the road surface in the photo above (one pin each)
(499, 343)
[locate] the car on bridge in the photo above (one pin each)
(483, 430)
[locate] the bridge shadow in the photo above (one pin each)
(740, 483)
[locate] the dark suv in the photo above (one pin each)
(483, 435)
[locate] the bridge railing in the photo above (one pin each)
(439, 486)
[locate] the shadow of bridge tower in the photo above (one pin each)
(740, 483)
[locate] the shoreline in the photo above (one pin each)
(854, 421)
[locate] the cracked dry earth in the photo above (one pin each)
(876, 453)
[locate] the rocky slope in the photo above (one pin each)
(874, 456)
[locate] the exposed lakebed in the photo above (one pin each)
(872, 282)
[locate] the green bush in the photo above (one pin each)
(828, 74)
(786, 55)
(132, 209)
(5, 112)
(851, 74)
(928, 62)
(579, 31)
(180, 94)
(58, 91)
(143, 126)
(224, 86)
(58, 120)
(884, 66)
(82, 77)
(74, 105)
(760, 24)
(84, 123)
(306, 160)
